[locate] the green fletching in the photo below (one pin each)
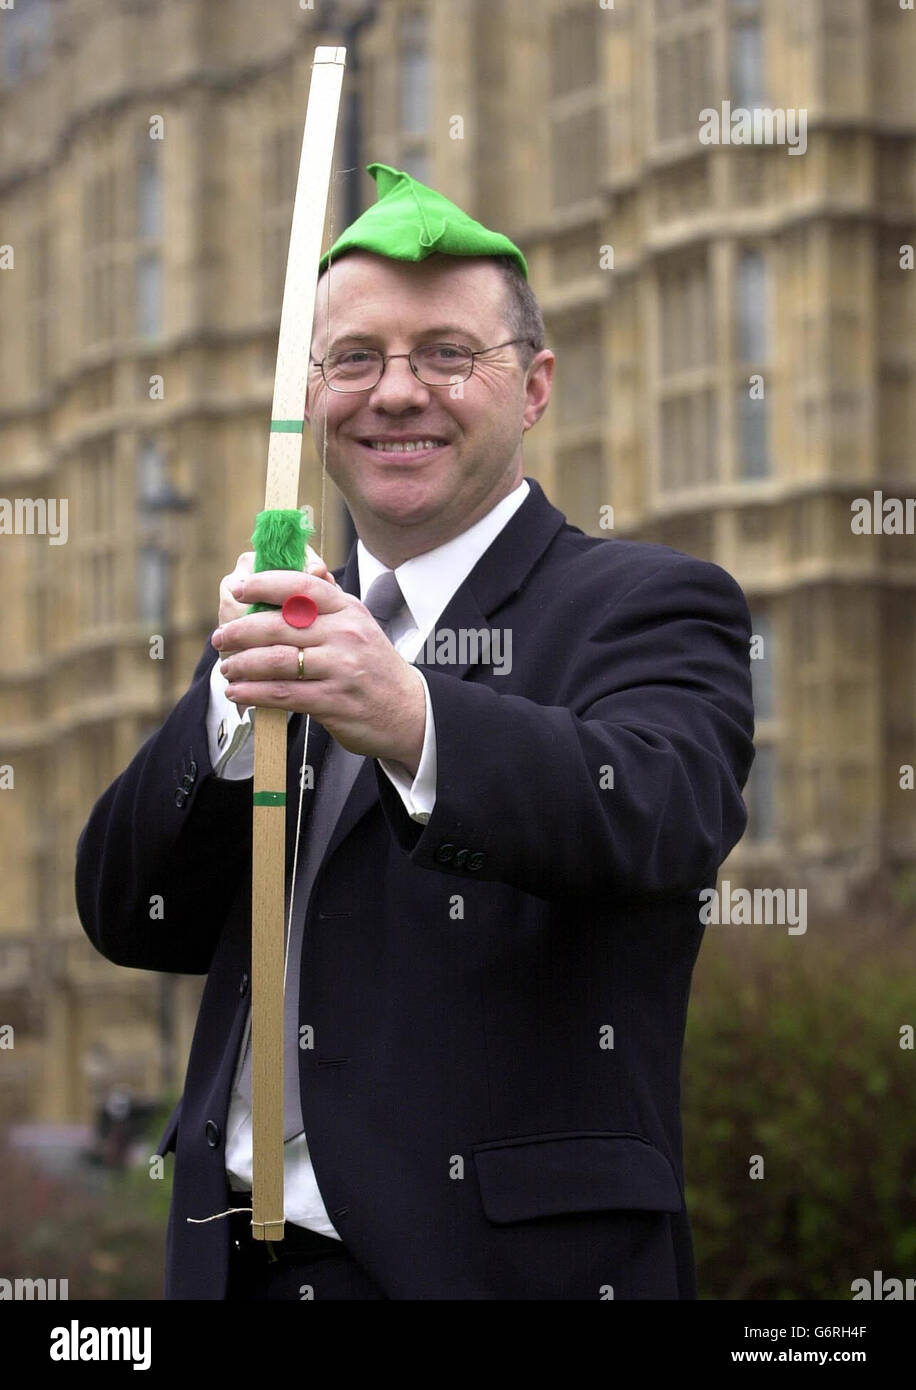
(279, 538)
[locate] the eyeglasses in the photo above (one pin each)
(435, 364)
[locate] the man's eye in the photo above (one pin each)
(445, 352)
(354, 358)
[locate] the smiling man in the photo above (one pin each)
(406, 497)
(496, 907)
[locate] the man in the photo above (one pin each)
(491, 959)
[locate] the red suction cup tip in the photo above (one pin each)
(299, 610)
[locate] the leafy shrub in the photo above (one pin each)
(103, 1231)
(793, 1053)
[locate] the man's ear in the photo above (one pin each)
(538, 386)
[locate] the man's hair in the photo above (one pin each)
(522, 311)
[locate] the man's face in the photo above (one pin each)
(405, 503)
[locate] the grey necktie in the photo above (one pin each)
(339, 769)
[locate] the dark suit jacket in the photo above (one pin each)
(473, 1132)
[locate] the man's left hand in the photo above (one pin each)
(355, 683)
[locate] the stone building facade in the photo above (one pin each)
(734, 328)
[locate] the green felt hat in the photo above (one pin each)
(410, 222)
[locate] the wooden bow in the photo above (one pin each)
(270, 739)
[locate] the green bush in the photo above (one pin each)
(103, 1231)
(793, 1052)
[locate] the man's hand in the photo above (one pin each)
(355, 683)
(230, 608)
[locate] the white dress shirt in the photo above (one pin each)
(428, 583)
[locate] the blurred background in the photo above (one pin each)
(735, 331)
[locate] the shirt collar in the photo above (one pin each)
(430, 580)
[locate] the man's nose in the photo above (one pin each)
(398, 387)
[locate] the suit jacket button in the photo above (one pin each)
(211, 1129)
(192, 770)
(187, 782)
(243, 982)
(460, 859)
(181, 797)
(475, 861)
(444, 853)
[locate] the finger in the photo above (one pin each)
(274, 586)
(306, 697)
(244, 566)
(260, 630)
(280, 663)
(229, 608)
(318, 568)
(269, 628)
(277, 663)
(321, 571)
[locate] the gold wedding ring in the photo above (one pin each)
(301, 659)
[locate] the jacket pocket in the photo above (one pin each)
(552, 1174)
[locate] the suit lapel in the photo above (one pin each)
(500, 572)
